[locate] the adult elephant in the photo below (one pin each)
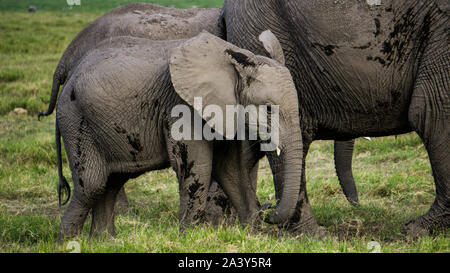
(361, 69)
(156, 22)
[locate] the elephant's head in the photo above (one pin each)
(222, 75)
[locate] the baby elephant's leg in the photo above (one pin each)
(89, 173)
(219, 209)
(236, 171)
(192, 161)
(103, 209)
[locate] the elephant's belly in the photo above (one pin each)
(133, 146)
(152, 157)
(363, 125)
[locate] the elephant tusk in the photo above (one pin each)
(367, 138)
(278, 151)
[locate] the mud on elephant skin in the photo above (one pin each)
(361, 70)
(109, 141)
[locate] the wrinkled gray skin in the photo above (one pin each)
(162, 23)
(343, 154)
(361, 70)
(114, 115)
(138, 20)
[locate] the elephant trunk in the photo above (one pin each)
(291, 161)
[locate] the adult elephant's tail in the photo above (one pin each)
(62, 180)
(343, 154)
(59, 77)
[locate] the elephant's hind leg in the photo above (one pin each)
(74, 216)
(103, 209)
(429, 115)
(122, 205)
(89, 177)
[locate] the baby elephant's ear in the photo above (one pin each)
(200, 68)
(272, 45)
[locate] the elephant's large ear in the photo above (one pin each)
(272, 45)
(203, 67)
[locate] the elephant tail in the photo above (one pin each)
(63, 185)
(58, 78)
(343, 153)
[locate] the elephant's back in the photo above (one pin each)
(157, 22)
(121, 66)
(120, 88)
(122, 72)
(142, 20)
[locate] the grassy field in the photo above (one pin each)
(393, 174)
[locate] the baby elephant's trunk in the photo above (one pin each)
(292, 162)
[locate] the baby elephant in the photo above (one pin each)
(115, 115)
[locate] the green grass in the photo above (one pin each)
(393, 174)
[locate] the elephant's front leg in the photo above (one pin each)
(429, 115)
(192, 161)
(219, 209)
(236, 171)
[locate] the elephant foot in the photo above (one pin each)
(102, 227)
(218, 207)
(427, 224)
(312, 230)
(353, 200)
(71, 224)
(414, 229)
(102, 235)
(304, 223)
(66, 234)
